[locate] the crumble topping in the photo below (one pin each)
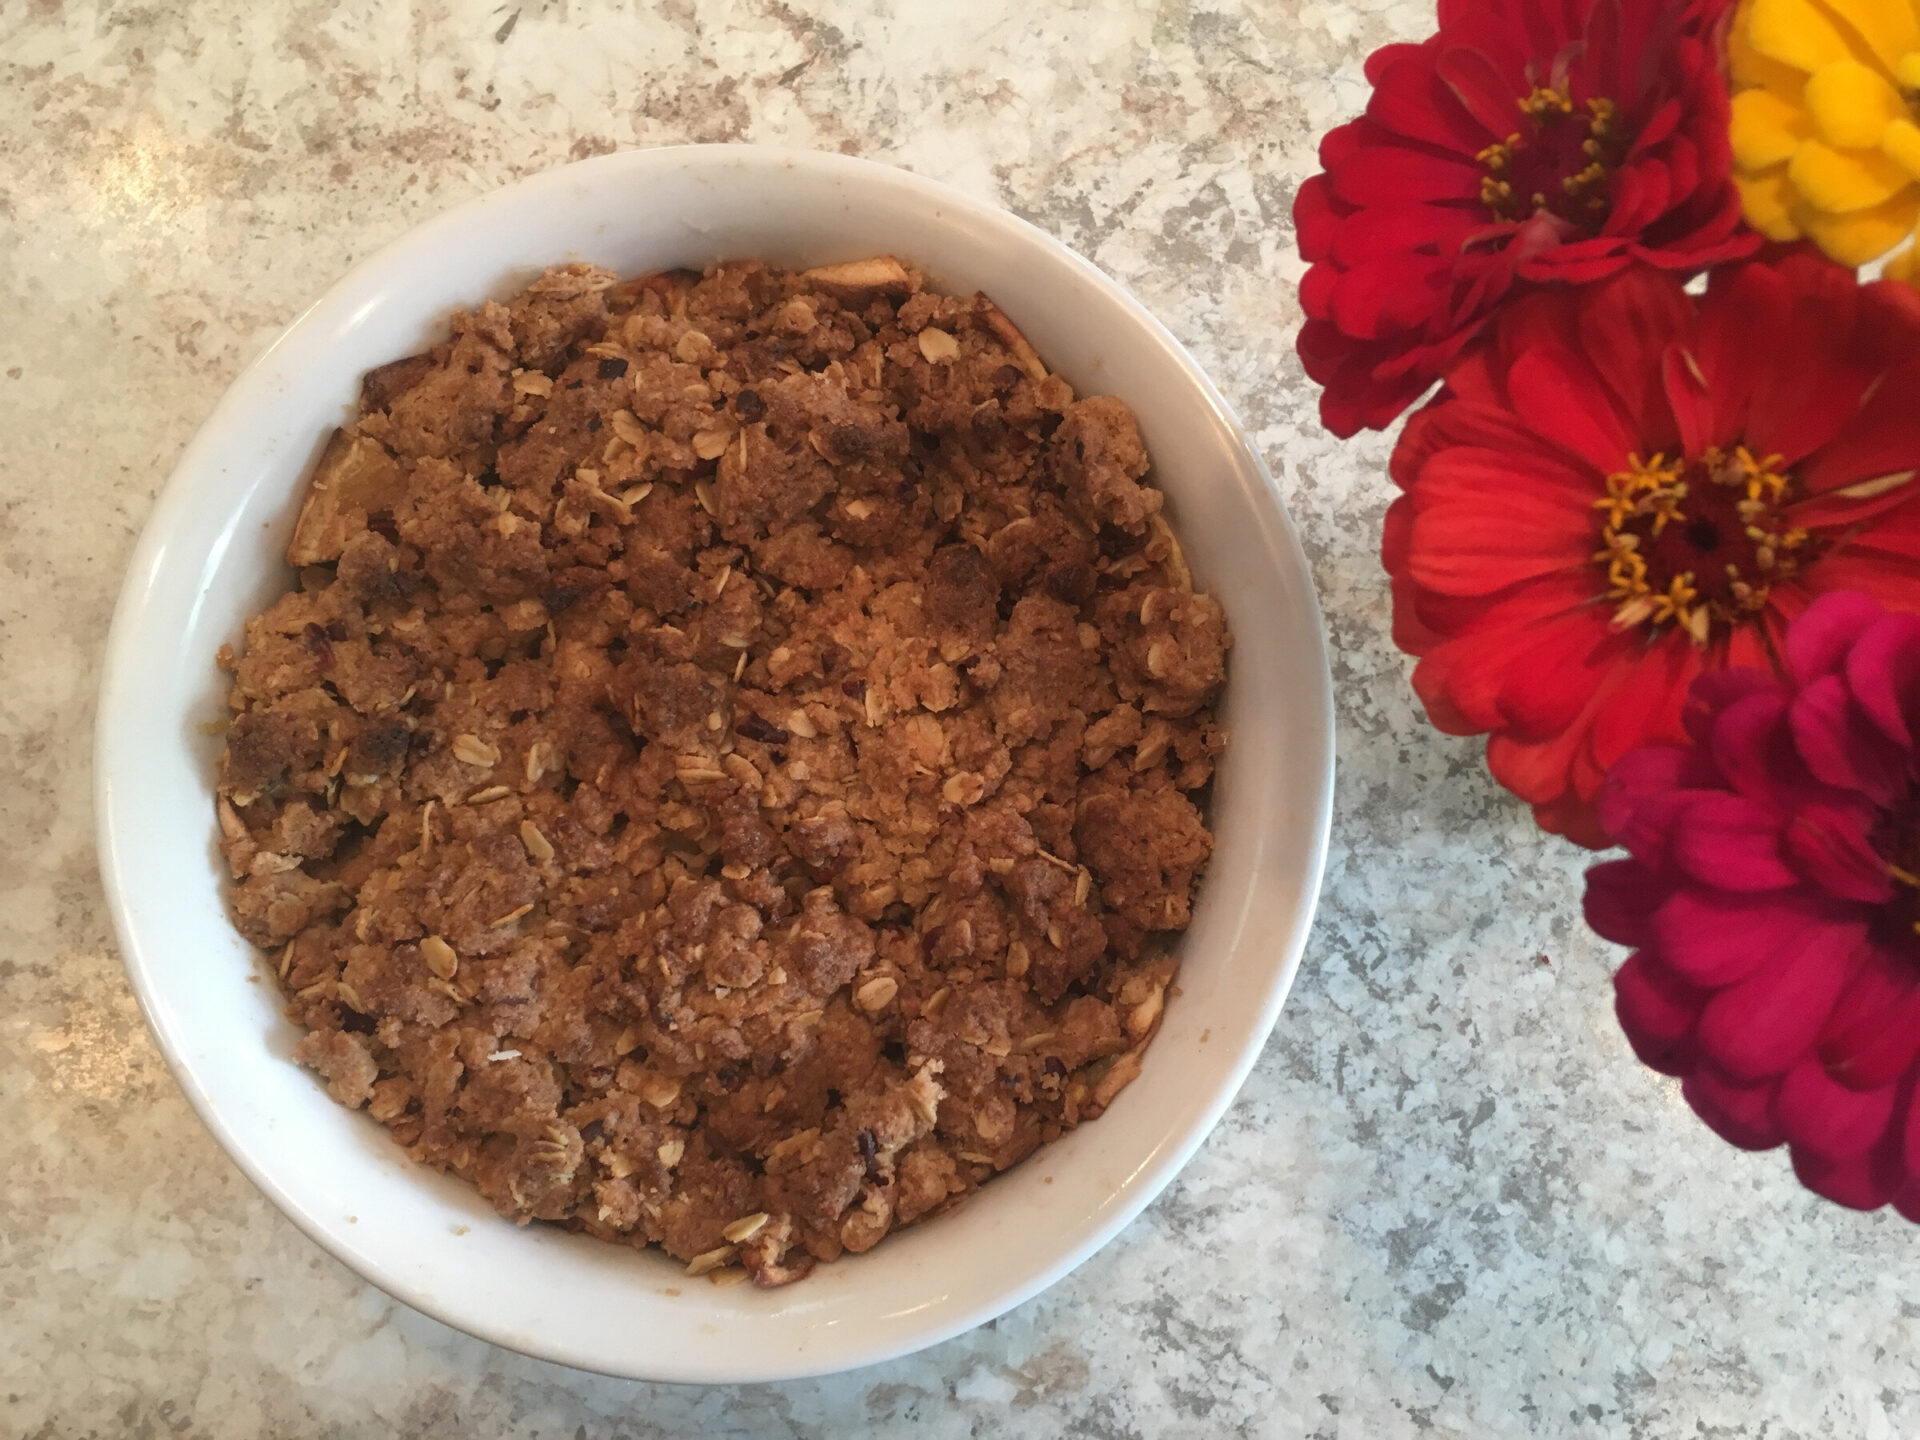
(731, 762)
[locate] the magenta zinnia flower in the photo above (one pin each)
(1773, 900)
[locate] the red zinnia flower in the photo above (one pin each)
(1773, 899)
(1626, 487)
(1528, 142)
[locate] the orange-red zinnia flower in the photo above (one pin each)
(1528, 143)
(1628, 485)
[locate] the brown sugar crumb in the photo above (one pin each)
(733, 757)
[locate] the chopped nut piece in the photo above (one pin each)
(1123, 1072)
(964, 788)
(862, 279)
(746, 1227)
(1142, 1017)
(938, 346)
(1009, 335)
(660, 1091)
(439, 957)
(923, 1096)
(356, 477)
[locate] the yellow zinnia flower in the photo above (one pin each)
(1825, 144)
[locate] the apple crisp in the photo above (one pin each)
(730, 764)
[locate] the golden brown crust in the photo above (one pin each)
(730, 751)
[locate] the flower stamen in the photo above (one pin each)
(1667, 521)
(1559, 162)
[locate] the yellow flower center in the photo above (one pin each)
(1692, 542)
(1558, 161)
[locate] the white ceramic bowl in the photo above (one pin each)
(211, 556)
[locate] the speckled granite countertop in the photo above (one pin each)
(1447, 1203)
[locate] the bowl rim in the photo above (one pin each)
(174, 498)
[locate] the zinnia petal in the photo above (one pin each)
(1564, 406)
(1752, 743)
(1839, 182)
(1889, 28)
(1796, 409)
(1768, 199)
(1658, 1013)
(1648, 703)
(1715, 938)
(1820, 641)
(1829, 1120)
(1851, 104)
(1739, 1114)
(1910, 1157)
(1767, 129)
(1828, 845)
(1855, 237)
(1879, 445)
(1718, 690)
(1731, 841)
(1620, 896)
(1466, 474)
(1410, 100)
(1640, 317)
(1797, 33)
(1883, 672)
(1837, 746)
(1381, 232)
(1464, 670)
(1873, 1035)
(1385, 294)
(1457, 553)
(1758, 1027)
(1645, 793)
(1387, 173)
(1855, 1182)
